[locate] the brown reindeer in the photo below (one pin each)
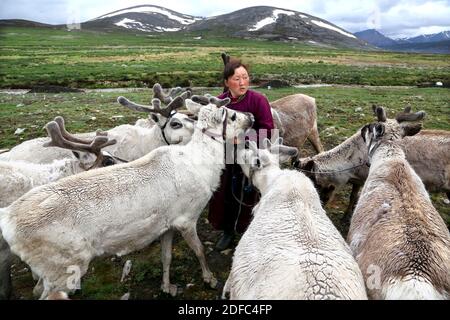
(398, 238)
(427, 152)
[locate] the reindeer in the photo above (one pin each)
(291, 250)
(18, 177)
(399, 240)
(120, 209)
(164, 126)
(427, 152)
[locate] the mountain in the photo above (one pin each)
(144, 18)
(431, 43)
(254, 22)
(423, 47)
(272, 23)
(374, 37)
(427, 38)
(23, 23)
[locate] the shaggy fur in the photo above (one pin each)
(120, 209)
(291, 250)
(396, 230)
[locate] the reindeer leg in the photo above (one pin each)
(314, 139)
(5, 270)
(166, 257)
(226, 288)
(351, 205)
(189, 234)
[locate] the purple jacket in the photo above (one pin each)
(258, 105)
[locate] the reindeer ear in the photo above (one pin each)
(381, 114)
(192, 106)
(378, 130)
(411, 129)
(308, 166)
(154, 117)
(363, 132)
(286, 153)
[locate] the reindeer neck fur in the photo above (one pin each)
(351, 152)
(45, 173)
(63, 168)
(142, 139)
(207, 154)
(388, 150)
(264, 178)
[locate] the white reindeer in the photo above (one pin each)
(133, 141)
(291, 250)
(18, 177)
(124, 208)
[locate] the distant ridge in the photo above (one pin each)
(23, 23)
(260, 22)
(432, 43)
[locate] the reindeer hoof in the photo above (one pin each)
(170, 289)
(212, 282)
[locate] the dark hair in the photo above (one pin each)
(231, 66)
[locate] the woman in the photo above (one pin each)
(231, 205)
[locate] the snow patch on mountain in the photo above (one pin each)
(152, 10)
(269, 20)
(326, 25)
(133, 24)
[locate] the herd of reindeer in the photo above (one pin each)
(68, 198)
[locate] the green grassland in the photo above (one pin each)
(337, 119)
(39, 56)
(84, 59)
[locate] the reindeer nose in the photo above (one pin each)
(251, 118)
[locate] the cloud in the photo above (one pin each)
(394, 18)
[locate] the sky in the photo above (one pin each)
(396, 19)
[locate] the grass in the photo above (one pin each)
(39, 56)
(336, 108)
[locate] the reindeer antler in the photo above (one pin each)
(406, 115)
(173, 93)
(156, 105)
(267, 143)
(379, 112)
(203, 100)
(61, 123)
(57, 140)
(159, 94)
(219, 102)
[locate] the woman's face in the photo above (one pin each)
(238, 83)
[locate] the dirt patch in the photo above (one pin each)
(274, 83)
(52, 89)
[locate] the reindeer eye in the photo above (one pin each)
(175, 124)
(108, 161)
(233, 117)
